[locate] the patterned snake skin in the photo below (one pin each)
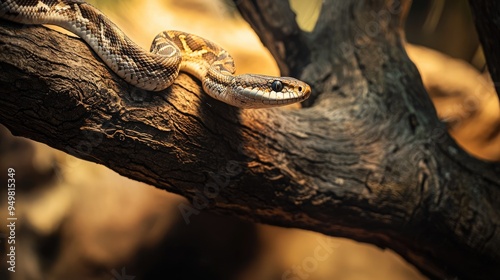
(171, 52)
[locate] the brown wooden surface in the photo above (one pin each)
(367, 158)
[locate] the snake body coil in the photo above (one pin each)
(171, 52)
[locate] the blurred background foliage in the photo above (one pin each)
(446, 26)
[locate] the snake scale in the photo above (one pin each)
(171, 52)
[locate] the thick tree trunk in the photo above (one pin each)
(367, 159)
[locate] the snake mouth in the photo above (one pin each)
(305, 90)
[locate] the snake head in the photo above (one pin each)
(260, 91)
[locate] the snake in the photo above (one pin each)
(171, 51)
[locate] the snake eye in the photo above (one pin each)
(277, 86)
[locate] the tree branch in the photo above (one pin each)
(487, 20)
(274, 22)
(369, 160)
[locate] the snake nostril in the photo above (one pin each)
(300, 89)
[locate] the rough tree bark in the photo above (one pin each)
(367, 158)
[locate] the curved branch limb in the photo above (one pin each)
(487, 20)
(369, 161)
(275, 24)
